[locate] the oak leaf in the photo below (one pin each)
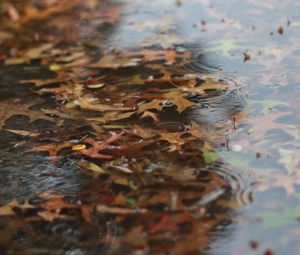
(153, 104)
(178, 99)
(9, 108)
(98, 146)
(51, 148)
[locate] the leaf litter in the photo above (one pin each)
(132, 118)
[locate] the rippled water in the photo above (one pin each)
(250, 191)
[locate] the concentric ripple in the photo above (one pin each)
(241, 183)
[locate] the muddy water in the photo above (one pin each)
(247, 193)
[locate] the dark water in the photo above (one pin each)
(247, 197)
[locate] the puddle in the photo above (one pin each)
(149, 128)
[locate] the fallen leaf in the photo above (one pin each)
(130, 149)
(52, 148)
(178, 99)
(9, 108)
(246, 56)
(96, 86)
(90, 166)
(37, 51)
(98, 146)
(51, 216)
(152, 115)
(56, 204)
(153, 104)
(119, 210)
(24, 132)
(112, 61)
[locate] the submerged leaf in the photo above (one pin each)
(90, 166)
(210, 157)
(96, 86)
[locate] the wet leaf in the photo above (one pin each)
(119, 210)
(246, 56)
(112, 61)
(90, 166)
(96, 86)
(210, 157)
(16, 61)
(51, 148)
(94, 106)
(9, 109)
(178, 99)
(153, 104)
(225, 46)
(78, 147)
(112, 116)
(36, 52)
(24, 132)
(99, 146)
(8, 209)
(114, 126)
(51, 216)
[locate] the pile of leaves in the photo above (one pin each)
(122, 116)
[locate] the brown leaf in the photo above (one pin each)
(52, 148)
(168, 222)
(207, 85)
(112, 116)
(132, 148)
(280, 30)
(169, 55)
(94, 106)
(112, 61)
(178, 99)
(86, 212)
(98, 146)
(56, 204)
(246, 56)
(32, 13)
(118, 210)
(153, 104)
(51, 216)
(145, 133)
(176, 139)
(7, 209)
(152, 115)
(9, 108)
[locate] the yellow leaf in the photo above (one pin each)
(114, 126)
(55, 67)
(16, 61)
(91, 166)
(96, 86)
(78, 147)
(36, 52)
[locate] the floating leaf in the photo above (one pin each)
(114, 126)
(78, 147)
(225, 46)
(210, 157)
(178, 99)
(55, 67)
(9, 109)
(36, 52)
(90, 166)
(15, 61)
(96, 86)
(131, 201)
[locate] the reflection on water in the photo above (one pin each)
(238, 197)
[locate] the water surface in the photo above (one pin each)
(233, 190)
